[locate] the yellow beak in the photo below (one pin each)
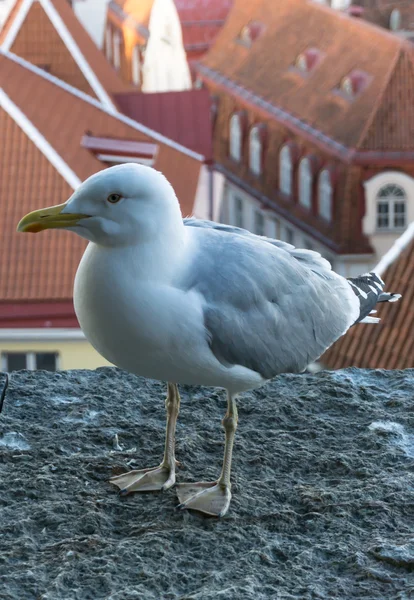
(49, 218)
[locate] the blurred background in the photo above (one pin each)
(291, 118)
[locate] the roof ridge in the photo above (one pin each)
(94, 102)
(379, 99)
(66, 37)
(39, 140)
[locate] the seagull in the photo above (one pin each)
(190, 301)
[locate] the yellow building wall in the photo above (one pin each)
(76, 354)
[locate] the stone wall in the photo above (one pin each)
(322, 490)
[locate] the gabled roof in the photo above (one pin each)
(181, 116)
(390, 344)
(48, 34)
(43, 121)
(264, 73)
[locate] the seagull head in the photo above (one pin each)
(120, 206)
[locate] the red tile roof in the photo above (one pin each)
(390, 344)
(263, 73)
(50, 36)
(201, 21)
(181, 116)
(57, 117)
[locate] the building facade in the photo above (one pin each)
(143, 41)
(312, 132)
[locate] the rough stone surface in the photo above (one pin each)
(322, 506)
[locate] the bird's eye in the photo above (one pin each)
(114, 198)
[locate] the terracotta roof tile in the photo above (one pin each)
(22, 258)
(43, 266)
(289, 27)
(39, 42)
(201, 21)
(390, 344)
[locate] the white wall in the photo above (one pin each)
(382, 241)
(165, 65)
(92, 15)
(5, 8)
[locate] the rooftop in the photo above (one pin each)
(48, 34)
(390, 344)
(350, 97)
(43, 122)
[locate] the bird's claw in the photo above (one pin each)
(145, 480)
(209, 498)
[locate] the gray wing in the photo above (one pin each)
(268, 306)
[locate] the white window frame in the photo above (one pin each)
(305, 183)
(136, 66)
(285, 171)
(391, 200)
(235, 138)
(255, 151)
(325, 195)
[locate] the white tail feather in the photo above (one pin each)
(370, 320)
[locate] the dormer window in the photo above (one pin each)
(236, 137)
(354, 83)
(250, 33)
(308, 60)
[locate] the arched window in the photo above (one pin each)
(136, 66)
(235, 137)
(285, 171)
(255, 151)
(391, 207)
(117, 49)
(325, 195)
(305, 183)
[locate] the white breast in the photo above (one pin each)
(139, 325)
